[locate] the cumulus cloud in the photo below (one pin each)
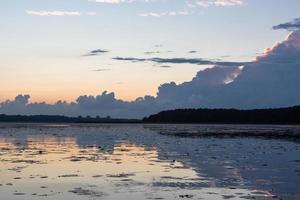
(272, 80)
(291, 26)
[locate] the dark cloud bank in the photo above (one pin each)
(292, 26)
(272, 80)
(195, 61)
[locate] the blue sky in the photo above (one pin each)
(43, 55)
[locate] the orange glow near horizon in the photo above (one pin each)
(52, 96)
(56, 87)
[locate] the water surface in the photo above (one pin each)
(120, 161)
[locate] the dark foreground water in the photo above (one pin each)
(148, 162)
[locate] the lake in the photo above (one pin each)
(137, 161)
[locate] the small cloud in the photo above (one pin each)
(165, 66)
(44, 13)
(225, 56)
(189, 3)
(119, 1)
(290, 26)
(108, 1)
(187, 6)
(156, 52)
(130, 59)
(96, 52)
(152, 52)
(164, 14)
(101, 70)
(150, 14)
(209, 3)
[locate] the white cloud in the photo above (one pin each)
(117, 1)
(163, 14)
(187, 5)
(208, 3)
(44, 13)
(53, 13)
(108, 1)
(204, 3)
(150, 14)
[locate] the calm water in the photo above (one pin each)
(146, 162)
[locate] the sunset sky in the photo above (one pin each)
(46, 42)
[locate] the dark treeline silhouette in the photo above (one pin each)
(62, 119)
(289, 115)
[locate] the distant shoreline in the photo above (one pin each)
(278, 116)
(284, 116)
(61, 119)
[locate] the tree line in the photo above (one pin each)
(290, 115)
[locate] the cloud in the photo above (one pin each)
(108, 1)
(130, 59)
(120, 1)
(96, 52)
(43, 13)
(156, 52)
(101, 70)
(186, 10)
(164, 14)
(208, 3)
(165, 66)
(152, 52)
(202, 3)
(22, 99)
(291, 26)
(271, 80)
(196, 61)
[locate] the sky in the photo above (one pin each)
(65, 49)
